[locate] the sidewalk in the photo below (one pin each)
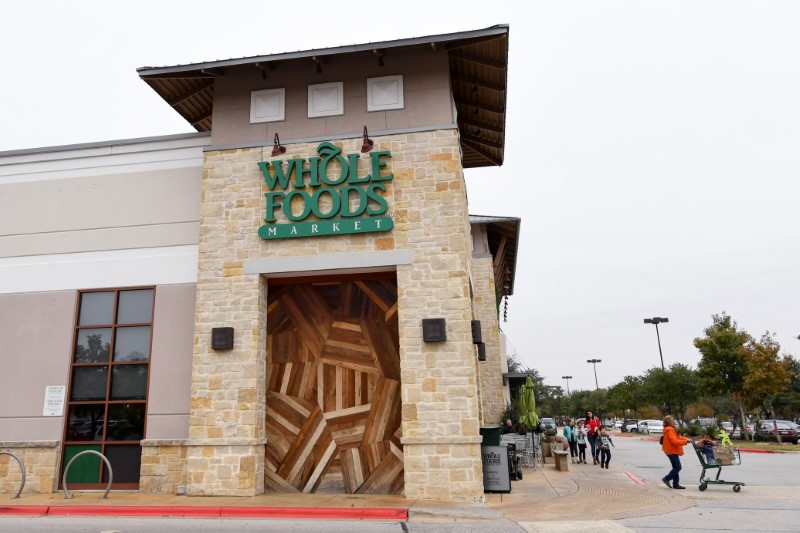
(544, 496)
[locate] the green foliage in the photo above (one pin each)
(627, 394)
(671, 390)
(711, 431)
(693, 430)
(511, 412)
(723, 365)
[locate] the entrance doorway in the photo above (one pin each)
(333, 386)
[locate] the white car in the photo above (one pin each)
(651, 426)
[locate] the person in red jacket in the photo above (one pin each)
(673, 446)
(592, 425)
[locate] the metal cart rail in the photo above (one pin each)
(722, 456)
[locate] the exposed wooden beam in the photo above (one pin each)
(486, 62)
(214, 71)
(480, 151)
(483, 142)
(480, 83)
(480, 105)
(196, 120)
(191, 92)
(463, 44)
(482, 125)
(179, 76)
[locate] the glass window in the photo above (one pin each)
(96, 308)
(126, 461)
(135, 307)
(107, 402)
(129, 382)
(125, 421)
(89, 383)
(132, 344)
(85, 422)
(93, 345)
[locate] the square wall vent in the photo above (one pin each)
(385, 93)
(326, 99)
(268, 105)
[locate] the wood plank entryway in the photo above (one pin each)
(333, 398)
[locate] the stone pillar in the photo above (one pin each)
(225, 455)
(491, 370)
(441, 441)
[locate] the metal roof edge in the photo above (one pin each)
(497, 29)
(100, 144)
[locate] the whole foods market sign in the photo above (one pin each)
(328, 188)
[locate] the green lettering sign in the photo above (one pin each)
(329, 188)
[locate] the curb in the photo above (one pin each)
(330, 513)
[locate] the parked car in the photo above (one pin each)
(651, 426)
(631, 425)
(786, 431)
(618, 424)
(704, 421)
(547, 422)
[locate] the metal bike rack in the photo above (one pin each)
(22, 467)
(84, 452)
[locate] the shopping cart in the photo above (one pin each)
(722, 456)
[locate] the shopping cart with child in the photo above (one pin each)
(715, 457)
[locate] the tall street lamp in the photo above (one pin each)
(567, 378)
(594, 364)
(657, 320)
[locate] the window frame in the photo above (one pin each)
(110, 363)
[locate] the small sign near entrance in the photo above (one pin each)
(496, 477)
(54, 400)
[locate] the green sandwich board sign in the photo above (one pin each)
(329, 188)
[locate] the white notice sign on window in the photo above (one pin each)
(54, 400)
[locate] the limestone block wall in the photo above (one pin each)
(491, 370)
(41, 466)
(163, 467)
(427, 200)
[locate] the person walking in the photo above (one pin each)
(673, 446)
(604, 444)
(581, 443)
(571, 433)
(592, 425)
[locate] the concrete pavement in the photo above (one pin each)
(585, 498)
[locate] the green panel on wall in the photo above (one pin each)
(86, 469)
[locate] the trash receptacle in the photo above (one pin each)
(491, 435)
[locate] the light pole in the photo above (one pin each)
(594, 364)
(567, 378)
(657, 320)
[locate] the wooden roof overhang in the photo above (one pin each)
(503, 236)
(478, 63)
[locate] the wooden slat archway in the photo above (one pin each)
(333, 400)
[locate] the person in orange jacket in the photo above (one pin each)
(673, 446)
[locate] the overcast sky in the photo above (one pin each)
(651, 147)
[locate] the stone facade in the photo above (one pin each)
(41, 467)
(491, 370)
(163, 469)
(440, 412)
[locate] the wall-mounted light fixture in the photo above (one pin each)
(277, 148)
(433, 330)
(221, 338)
(477, 337)
(366, 146)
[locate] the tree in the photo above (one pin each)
(723, 365)
(788, 403)
(671, 390)
(626, 395)
(767, 374)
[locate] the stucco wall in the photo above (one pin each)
(426, 83)
(36, 330)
